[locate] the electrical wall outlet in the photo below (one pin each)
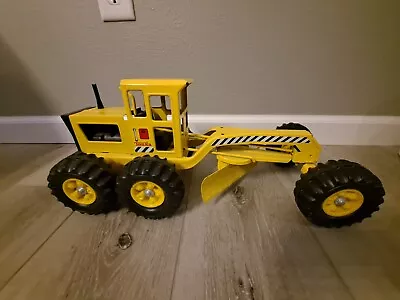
(116, 10)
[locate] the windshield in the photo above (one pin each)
(183, 100)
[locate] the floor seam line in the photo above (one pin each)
(34, 253)
(331, 263)
(179, 251)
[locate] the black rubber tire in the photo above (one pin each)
(90, 169)
(325, 179)
(161, 173)
(290, 126)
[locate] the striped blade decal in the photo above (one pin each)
(260, 139)
(144, 149)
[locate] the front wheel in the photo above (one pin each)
(339, 193)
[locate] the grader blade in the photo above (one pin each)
(217, 182)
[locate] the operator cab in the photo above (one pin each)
(157, 111)
(152, 120)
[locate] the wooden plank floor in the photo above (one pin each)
(252, 243)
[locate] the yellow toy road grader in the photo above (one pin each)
(130, 156)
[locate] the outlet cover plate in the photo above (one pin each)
(116, 10)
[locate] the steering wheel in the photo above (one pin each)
(140, 112)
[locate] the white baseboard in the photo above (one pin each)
(329, 130)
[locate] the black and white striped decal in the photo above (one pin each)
(144, 149)
(261, 139)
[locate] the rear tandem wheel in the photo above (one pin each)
(150, 187)
(84, 183)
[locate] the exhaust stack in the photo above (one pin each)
(97, 96)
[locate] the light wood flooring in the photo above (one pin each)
(252, 244)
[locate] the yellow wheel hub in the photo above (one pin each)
(343, 203)
(79, 191)
(147, 194)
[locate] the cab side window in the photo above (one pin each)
(136, 104)
(160, 107)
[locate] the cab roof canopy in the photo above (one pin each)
(143, 83)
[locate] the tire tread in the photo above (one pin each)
(91, 169)
(156, 170)
(321, 181)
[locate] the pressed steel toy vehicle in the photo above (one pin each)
(130, 155)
